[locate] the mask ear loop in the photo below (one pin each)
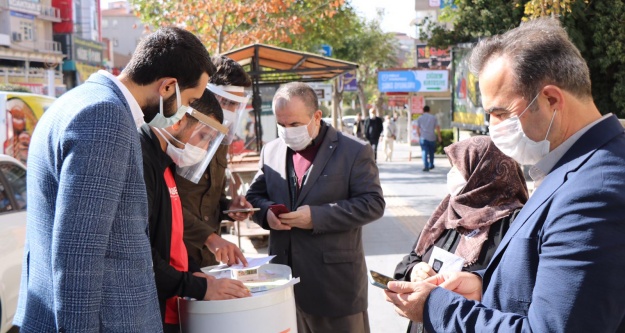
(178, 99)
(168, 135)
(551, 123)
(528, 105)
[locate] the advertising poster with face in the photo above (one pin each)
(21, 111)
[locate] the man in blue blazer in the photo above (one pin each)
(560, 266)
(87, 260)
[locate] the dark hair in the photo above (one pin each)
(296, 89)
(541, 53)
(229, 73)
(209, 105)
(426, 108)
(170, 52)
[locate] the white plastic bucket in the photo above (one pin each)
(272, 311)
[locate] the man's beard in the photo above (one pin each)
(150, 110)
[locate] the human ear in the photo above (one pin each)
(555, 96)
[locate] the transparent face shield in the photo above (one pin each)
(201, 146)
(233, 106)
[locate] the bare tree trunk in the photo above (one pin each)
(361, 98)
(337, 102)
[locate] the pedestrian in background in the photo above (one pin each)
(559, 268)
(330, 183)
(390, 134)
(204, 201)
(373, 130)
(87, 259)
(486, 191)
(428, 131)
(359, 127)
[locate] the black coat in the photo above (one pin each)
(169, 281)
(448, 241)
(373, 129)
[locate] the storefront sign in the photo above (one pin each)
(30, 7)
(413, 81)
(87, 51)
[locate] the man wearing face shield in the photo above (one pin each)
(189, 142)
(204, 201)
(559, 268)
(87, 258)
(329, 181)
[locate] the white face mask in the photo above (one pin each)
(455, 181)
(183, 157)
(160, 121)
(297, 138)
(229, 118)
(509, 137)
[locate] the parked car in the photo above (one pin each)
(12, 235)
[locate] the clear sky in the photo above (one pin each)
(397, 13)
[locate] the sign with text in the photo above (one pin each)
(323, 91)
(30, 7)
(413, 81)
(87, 51)
(349, 82)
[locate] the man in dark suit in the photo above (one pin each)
(87, 260)
(560, 266)
(330, 183)
(373, 130)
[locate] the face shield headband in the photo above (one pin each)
(206, 138)
(233, 107)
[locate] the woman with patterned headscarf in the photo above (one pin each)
(487, 189)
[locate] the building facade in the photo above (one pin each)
(30, 57)
(79, 35)
(124, 30)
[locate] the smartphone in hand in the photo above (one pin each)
(278, 209)
(379, 280)
(241, 210)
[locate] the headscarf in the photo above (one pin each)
(495, 188)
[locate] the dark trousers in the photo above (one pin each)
(427, 152)
(356, 323)
(374, 146)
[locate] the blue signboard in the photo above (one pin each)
(326, 50)
(349, 82)
(413, 81)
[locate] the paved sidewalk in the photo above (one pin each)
(411, 195)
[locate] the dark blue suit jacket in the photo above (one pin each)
(561, 266)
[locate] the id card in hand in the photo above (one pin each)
(442, 261)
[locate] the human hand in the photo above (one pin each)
(466, 284)
(237, 203)
(220, 289)
(275, 223)
(224, 251)
(421, 271)
(409, 298)
(298, 219)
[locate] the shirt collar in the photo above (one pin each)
(135, 109)
(540, 170)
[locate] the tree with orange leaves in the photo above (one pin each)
(224, 25)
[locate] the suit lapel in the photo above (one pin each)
(279, 160)
(327, 148)
(574, 158)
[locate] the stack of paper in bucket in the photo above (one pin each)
(258, 276)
